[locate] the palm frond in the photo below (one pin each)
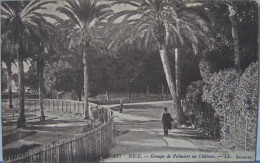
(135, 3)
(6, 10)
(35, 5)
(69, 13)
(120, 14)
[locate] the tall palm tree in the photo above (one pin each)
(86, 15)
(168, 23)
(228, 9)
(234, 21)
(41, 51)
(24, 22)
(8, 58)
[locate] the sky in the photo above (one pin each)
(51, 10)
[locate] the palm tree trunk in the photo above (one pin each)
(169, 79)
(107, 94)
(21, 119)
(147, 90)
(85, 63)
(79, 95)
(232, 17)
(40, 71)
(9, 84)
(162, 90)
(236, 48)
(177, 75)
(129, 94)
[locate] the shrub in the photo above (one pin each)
(234, 98)
(200, 113)
(220, 91)
(246, 104)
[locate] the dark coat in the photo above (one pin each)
(167, 119)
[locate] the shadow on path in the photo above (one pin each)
(141, 132)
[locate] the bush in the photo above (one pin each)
(234, 98)
(246, 104)
(200, 113)
(99, 114)
(220, 91)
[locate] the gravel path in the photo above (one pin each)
(139, 131)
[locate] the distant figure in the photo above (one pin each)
(121, 106)
(166, 120)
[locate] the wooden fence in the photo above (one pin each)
(53, 104)
(89, 146)
(239, 128)
(33, 105)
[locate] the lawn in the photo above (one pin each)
(114, 98)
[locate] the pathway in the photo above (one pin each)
(138, 130)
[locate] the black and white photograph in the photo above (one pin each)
(129, 80)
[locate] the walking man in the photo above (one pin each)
(166, 120)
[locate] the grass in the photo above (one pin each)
(114, 98)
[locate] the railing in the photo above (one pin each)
(33, 105)
(54, 104)
(91, 145)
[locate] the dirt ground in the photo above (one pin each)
(58, 126)
(138, 130)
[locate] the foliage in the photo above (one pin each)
(221, 91)
(246, 100)
(248, 18)
(181, 27)
(30, 78)
(200, 113)
(234, 97)
(3, 79)
(213, 62)
(246, 93)
(24, 23)
(87, 17)
(246, 25)
(192, 101)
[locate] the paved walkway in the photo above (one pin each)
(139, 131)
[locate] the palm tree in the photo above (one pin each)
(8, 58)
(230, 10)
(236, 12)
(234, 21)
(24, 22)
(86, 15)
(168, 23)
(42, 51)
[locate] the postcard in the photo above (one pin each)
(129, 80)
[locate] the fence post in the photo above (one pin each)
(75, 107)
(66, 107)
(6, 103)
(53, 104)
(62, 105)
(235, 123)
(224, 126)
(83, 108)
(70, 106)
(100, 144)
(246, 130)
